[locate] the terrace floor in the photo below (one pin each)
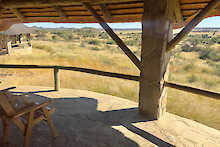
(89, 119)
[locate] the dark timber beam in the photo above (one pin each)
(114, 36)
(156, 32)
(106, 13)
(195, 21)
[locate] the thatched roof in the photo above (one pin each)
(112, 10)
(17, 29)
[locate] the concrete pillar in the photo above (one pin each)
(156, 32)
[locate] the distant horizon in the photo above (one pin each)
(212, 22)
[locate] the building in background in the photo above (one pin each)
(15, 40)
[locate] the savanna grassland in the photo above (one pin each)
(194, 62)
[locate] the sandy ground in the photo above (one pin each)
(89, 119)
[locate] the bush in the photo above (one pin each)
(192, 79)
(204, 54)
(95, 48)
(110, 42)
(188, 67)
(93, 42)
(209, 83)
(43, 47)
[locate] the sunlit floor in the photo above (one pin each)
(89, 119)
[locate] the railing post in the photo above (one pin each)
(56, 79)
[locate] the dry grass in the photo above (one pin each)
(183, 66)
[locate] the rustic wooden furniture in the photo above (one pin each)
(24, 114)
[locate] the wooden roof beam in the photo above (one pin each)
(61, 12)
(34, 3)
(18, 14)
(178, 13)
(106, 13)
(195, 21)
(114, 36)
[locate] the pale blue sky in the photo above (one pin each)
(208, 22)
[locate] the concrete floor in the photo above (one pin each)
(89, 119)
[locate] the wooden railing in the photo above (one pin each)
(110, 74)
(79, 69)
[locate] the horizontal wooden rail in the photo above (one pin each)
(85, 70)
(193, 90)
(113, 75)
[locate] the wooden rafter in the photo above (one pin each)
(114, 36)
(60, 12)
(195, 21)
(18, 13)
(34, 3)
(178, 13)
(106, 13)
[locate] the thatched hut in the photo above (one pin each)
(16, 37)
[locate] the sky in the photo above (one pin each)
(212, 22)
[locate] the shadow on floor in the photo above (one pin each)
(80, 124)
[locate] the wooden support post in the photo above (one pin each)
(114, 36)
(56, 79)
(156, 32)
(195, 21)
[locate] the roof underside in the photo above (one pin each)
(112, 10)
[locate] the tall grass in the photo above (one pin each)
(185, 68)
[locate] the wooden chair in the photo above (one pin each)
(17, 109)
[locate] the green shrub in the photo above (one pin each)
(110, 42)
(204, 54)
(93, 42)
(54, 38)
(192, 78)
(209, 83)
(188, 67)
(204, 70)
(95, 48)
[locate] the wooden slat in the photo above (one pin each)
(105, 11)
(18, 14)
(60, 12)
(178, 13)
(111, 33)
(196, 20)
(43, 3)
(193, 6)
(194, 1)
(189, 12)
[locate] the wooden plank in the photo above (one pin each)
(193, 90)
(105, 11)
(178, 13)
(114, 36)
(18, 14)
(61, 12)
(188, 28)
(193, 6)
(194, 1)
(43, 3)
